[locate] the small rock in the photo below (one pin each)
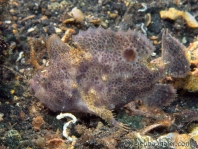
(77, 14)
(51, 29)
(30, 29)
(57, 30)
(1, 116)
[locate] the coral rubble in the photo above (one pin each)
(174, 14)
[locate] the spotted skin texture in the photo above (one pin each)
(175, 56)
(103, 71)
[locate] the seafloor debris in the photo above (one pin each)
(174, 14)
(193, 49)
(3, 50)
(3, 8)
(67, 36)
(109, 138)
(105, 71)
(3, 45)
(37, 123)
(63, 115)
(75, 15)
(51, 141)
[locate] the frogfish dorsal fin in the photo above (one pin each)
(175, 56)
(56, 47)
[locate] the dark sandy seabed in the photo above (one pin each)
(26, 124)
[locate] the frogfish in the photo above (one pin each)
(103, 70)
